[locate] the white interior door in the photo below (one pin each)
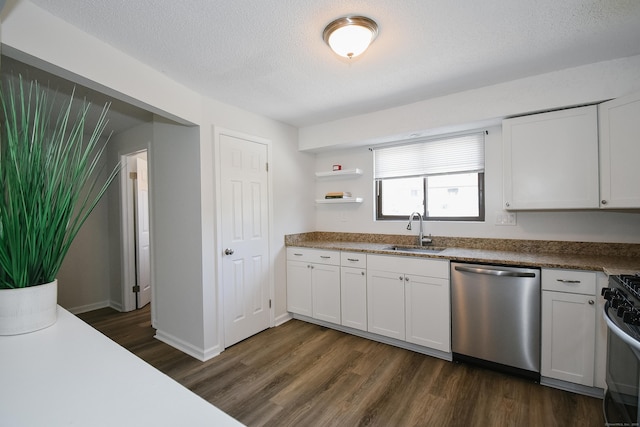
(245, 237)
(143, 258)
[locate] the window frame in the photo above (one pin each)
(481, 203)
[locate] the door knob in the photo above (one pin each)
(228, 251)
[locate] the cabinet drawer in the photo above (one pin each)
(353, 259)
(314, 255)
(572, 281)
(410, 265)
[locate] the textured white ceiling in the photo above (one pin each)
(268, 56)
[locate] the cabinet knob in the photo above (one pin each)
(362, 272)
(604, 202)
(406, 279)
(401, 278)
(228, 251)
(591, 302)
(507, 204)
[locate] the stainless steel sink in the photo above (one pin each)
(416, 249)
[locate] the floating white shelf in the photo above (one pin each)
(341, 173)
(343, 200)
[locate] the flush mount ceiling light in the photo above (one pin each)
(349, 36)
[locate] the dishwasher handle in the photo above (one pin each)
(494, 272)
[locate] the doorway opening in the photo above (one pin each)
(136, 237)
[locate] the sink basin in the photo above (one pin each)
(416, 249)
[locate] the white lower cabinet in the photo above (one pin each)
(353, 290)
(408, 299)
(325, 292)
(313, 283)
(299, 287)
(404, 298)
(385, 302)
(569, 326)
(427, 312)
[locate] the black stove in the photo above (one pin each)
(623, 295)
(622, 315)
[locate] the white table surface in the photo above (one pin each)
(71, 375)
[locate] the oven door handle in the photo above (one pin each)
(635, 344)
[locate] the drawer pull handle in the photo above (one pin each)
(353, 259)
(568, 281)
(324, 256)
(298, 254)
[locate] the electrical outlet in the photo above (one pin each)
(505, 218)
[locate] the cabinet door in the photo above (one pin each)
(568, 337)
(385, 303)
(325, 292)
(353, 292)
(619, 152)
(427, 312)
(551, 160)
(299, 287)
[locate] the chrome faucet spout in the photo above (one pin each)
(421, 239)
(421, 233)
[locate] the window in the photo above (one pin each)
(441, 178)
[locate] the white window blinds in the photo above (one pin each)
(461, 153)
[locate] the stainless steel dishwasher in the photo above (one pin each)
(495, 317)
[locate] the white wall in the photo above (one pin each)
(589, 226)
(83, 279)
(174, 197)
(480, 107)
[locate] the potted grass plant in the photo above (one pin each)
(51, 179)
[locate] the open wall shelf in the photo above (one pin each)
(338, 201)
(341, 173)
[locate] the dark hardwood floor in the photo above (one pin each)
(300, 374)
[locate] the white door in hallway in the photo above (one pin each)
(245, 237)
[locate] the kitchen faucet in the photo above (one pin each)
(421, 239)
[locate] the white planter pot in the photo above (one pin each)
(28, 309)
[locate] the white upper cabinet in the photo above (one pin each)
(551, 160)
(620, 152)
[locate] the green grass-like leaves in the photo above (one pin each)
(50, 181)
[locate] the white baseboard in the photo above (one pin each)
(89, 307)
(575, 388)
(193, 351)
(282, 319)
(116, 306)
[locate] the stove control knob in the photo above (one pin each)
(616, 301)
(622, 310)
(629, 317)
(606, 293)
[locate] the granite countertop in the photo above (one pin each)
(609, 263)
